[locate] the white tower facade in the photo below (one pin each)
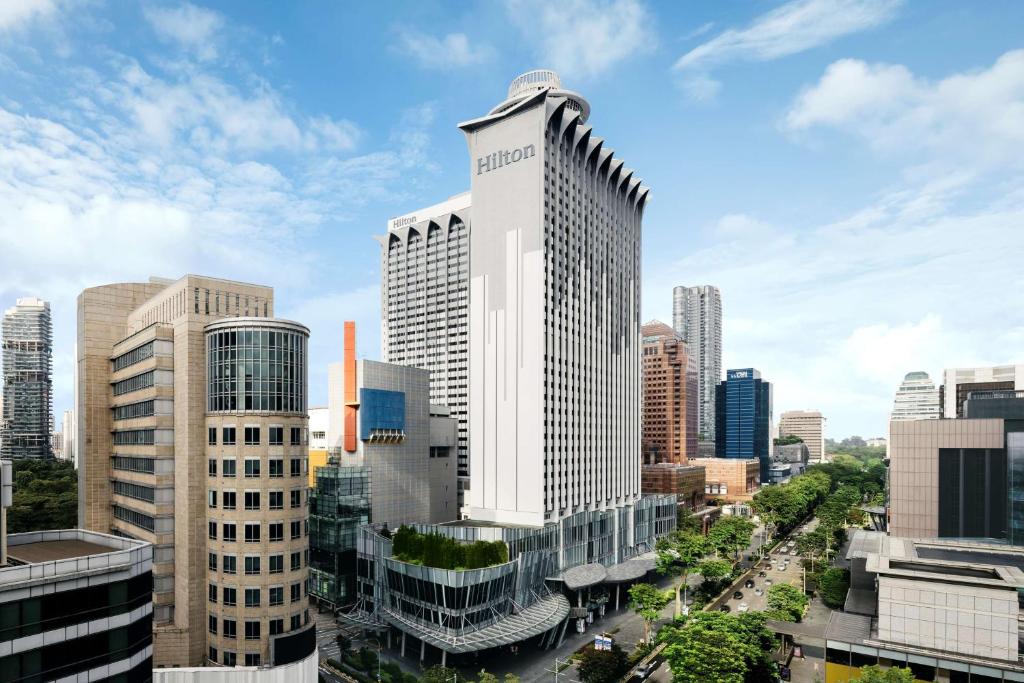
(555, 349)
(916, 399)
(697, 317)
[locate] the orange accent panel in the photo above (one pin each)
(350, 386)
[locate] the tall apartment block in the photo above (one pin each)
(958, 383)
(27, 340)
(149, 468)
(744, 416)
(809, 425)
(555, 390)
(425, 306)
(670, 397)
(697, 317)
(917, 398)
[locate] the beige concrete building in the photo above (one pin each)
(141, 408)
(809, 425)
(957, 383)
(734, 480)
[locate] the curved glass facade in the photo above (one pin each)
(253, 365)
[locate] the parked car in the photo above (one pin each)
(767, 582)
(762, 574)
(644, 671)
(724, 608)
(758, 591)
(749, 583)
(744, 607)
(737, 595)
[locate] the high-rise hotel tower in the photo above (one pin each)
(697, 317)
(554, 326)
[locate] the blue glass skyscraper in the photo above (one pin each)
(743, 415)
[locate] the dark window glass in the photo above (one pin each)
(276, 436)
(228, 436)
(212, 436)
(252, 436)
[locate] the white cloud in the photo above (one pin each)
(584, 38)
(976, 115)
(794, 27)
(450, 51)
(194, 28)
(16, 12)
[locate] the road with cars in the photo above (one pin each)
(782, 567)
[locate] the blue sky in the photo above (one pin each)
(848, 173)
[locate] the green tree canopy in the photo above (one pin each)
(602, 666)
(711, 647)
(45, 496)
(730, 535)
(876, 674)
(648, 601)
(486, 677)
(687, 521)
(788, 440)
(833, 584)
(677, 555)
(439, 674)
(788, 601)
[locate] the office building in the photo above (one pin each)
(75, 605)
(686, 482)
(732, 480)
(338, 507)
(68, 436)
(669, 396)
(555, 393)
(960, 478)
(697, 317)
(319, 423)
(916, 399)
(809, 425)
(425, 306)
(193, 400)
(744, 415)
(877, 442)
(946, 610)
(27, 340)
(957, 383)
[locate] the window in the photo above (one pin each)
(230, 565)
(213, 561)
(276, 564)
(252, 532)
(252, 467)
(296, 592)
(229, 630)
(229, 532)
(229, 596)
(276, 595)
(276, 626)
(229, 658)
(213, 592)
(276, 467)
(277, 500)
(296, 529)
(296, 621)
(252, 597)
(135, 383)
(296, 498)
(229, 467)
(136, 355)
(252, 564)
(276, 436)
(228, 436)
(252, 436)
(227, 500)
(296, 561)
(252, 500)
(212, 499)
(213, 624)
(213, 654)
(133, 410)
(276, 531)
(213, 530)
(296, 436)
(212, 434)
(213, 467)
(252, 658)
(296, 467)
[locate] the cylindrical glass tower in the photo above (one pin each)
(257, 499)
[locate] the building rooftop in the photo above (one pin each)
(46, 551)
(45, 556)
(849, 628)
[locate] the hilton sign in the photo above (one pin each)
(496, 160)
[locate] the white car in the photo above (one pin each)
(744, 607)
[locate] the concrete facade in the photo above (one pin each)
(140, 343)
(555, 374)
(958, 382)
(670, 396)
(687, 482)
(734, 480)
(809, 425)
(916, 399)
(697, 317)
(319, 425)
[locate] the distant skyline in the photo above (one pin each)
(848, 173)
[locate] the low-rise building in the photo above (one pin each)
(946, 610)
(733, 480)
(685, 481)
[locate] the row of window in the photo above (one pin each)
(132, 463)
(253, 467)
(252, 499)
(135, 383)
(132, 357)
(253, 438)
(134, 437)
(134, 517)
(252, 628)
(137, 491)
(253, 531)
(228, 595)
(133, 410)
(253, 563)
